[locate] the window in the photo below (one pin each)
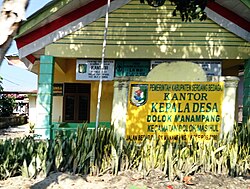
(76, 102)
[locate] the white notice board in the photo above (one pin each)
(90, 69)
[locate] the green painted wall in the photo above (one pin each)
(246, 93)
(59, 128)
(45, 97)
(138, 30)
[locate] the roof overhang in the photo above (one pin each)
(59, 25)
(57, 20)
(234, 16)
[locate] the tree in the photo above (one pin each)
(6, 103)
(12, 13)
(188, 9)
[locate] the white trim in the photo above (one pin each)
(69, 28)
(232, 27)
(27, 63)
(20, 64)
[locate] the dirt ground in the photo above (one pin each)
(124, 180)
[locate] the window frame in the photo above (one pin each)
(77, 96)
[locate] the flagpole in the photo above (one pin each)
(102, 66)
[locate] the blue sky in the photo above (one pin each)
(14, 78)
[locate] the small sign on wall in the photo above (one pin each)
(90, 69)
(58, 89)
(131, 68)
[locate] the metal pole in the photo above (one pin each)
(102, 66)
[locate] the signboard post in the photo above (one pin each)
(174, 109)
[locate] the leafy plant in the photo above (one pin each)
(95, 153)
(6, 103)
(188, 9)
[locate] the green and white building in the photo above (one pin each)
(62, 43)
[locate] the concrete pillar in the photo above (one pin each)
(32, 109)
(45, 97)
(246, 93)
(229, 105)
(120, 102)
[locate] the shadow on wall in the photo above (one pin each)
(152, 33)
(177, 71)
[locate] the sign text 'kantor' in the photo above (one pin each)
(183, 109)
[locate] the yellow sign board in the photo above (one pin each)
(174, 109)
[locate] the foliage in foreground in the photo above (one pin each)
(95, 153)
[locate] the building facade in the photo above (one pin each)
(63, 44)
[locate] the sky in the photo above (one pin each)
(14, 78)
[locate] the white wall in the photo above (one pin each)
(57, 109)
(32, 109)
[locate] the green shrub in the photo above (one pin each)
(95, 153)
(6, 105)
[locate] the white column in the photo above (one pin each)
(229, 105)
(119, 111)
